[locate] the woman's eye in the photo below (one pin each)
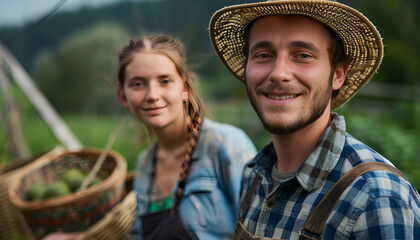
(136, 84)
(165, 81)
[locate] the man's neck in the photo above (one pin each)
(293, 149)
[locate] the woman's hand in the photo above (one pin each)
(61, 236)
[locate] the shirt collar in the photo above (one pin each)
(197, 152)
(316, 168)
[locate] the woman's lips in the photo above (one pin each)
(153, 110)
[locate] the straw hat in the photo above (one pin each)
(362, 42)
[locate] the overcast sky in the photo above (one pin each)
(17, 12)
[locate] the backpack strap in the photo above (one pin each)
(319, 216)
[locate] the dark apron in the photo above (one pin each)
(167, 224)
(319, 216)
(164, 225)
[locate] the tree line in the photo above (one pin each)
(54, 41)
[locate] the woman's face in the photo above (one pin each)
(154, 91)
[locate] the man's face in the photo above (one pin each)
(288, 74)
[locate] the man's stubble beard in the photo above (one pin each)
(319, 104)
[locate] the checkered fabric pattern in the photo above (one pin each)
(377, 205)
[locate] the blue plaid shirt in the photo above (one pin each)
(377, 205)
(210, 203)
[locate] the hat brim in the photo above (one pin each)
(362, 41)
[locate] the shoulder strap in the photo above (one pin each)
(249, 195)
(319, 216)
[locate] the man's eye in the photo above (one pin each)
(263, 55)
(304, 55)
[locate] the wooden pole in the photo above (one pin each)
(44, 108)
(13, 125)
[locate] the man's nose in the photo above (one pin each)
(281, 70)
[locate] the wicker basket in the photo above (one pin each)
(12, 224)
(73, 212)
(116, 224)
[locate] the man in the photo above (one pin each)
(300, 59)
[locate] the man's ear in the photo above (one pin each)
(122, 97)
(340, 73)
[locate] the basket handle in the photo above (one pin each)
(101, 157)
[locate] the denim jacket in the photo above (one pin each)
(210, 203)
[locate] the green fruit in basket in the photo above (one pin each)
(36, 192)
(72, 173)
(75, 181)
(56, 189)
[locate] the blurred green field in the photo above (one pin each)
(92, 132)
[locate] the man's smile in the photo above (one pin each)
(281, 97)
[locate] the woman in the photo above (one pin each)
(188, 181)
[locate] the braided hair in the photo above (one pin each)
(193, 109)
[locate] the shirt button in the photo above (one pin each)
(271, 204)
